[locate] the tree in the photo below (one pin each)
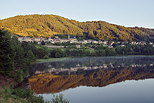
(110, 52)
(41, 52)
(100, 52)
(59, 99)
(6, 52)
(57, 53)
(30, 56)
(18, 53)
(42, 43)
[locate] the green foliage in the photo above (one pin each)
(110, 52)
(35, 99)
(57, 53)
(100, 50)
(135, 50)
(59, 99)
(18, 51)
(15, 56)
(22, 93)
(30, 56)
(19, 75)
(46, 57)
(22, 96)
(6, 53)
(19, 95)
(41, 52)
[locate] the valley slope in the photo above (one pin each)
(49, 25)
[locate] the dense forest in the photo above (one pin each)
(49, 25)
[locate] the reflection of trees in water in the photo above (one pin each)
(93, 62)
(48, 83)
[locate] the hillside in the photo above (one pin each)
(48, 25)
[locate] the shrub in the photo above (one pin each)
(59, 99)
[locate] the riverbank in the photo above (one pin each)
(65, 58)
(80, 65)
(50, 60)
(9, 94)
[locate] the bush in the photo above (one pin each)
(57, 53)
(41, 52)
(59, 99)
(25, 94)
(28, 96)
(46, 57)
(35, 99)
(22, 93)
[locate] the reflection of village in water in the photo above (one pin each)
(55, 77)
(58, 76)
(78, 65)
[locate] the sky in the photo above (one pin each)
(128, 13)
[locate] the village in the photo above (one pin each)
(56, 40)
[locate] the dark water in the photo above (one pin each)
(126, 79)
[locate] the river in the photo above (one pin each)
(118, 79)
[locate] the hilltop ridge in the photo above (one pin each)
(49, 25)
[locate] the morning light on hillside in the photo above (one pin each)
(83, 51)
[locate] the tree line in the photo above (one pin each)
(101, 50)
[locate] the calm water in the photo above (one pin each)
(126, 79)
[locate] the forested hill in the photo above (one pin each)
(48, 25)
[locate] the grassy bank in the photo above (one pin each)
(7, 98)
(8, 95)
(50, 60)
(19, 95)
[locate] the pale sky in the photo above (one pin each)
(122, 12)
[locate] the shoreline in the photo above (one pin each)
(65, 58)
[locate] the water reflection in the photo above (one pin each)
(91, 63)
(133, 91)
(95, 72)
